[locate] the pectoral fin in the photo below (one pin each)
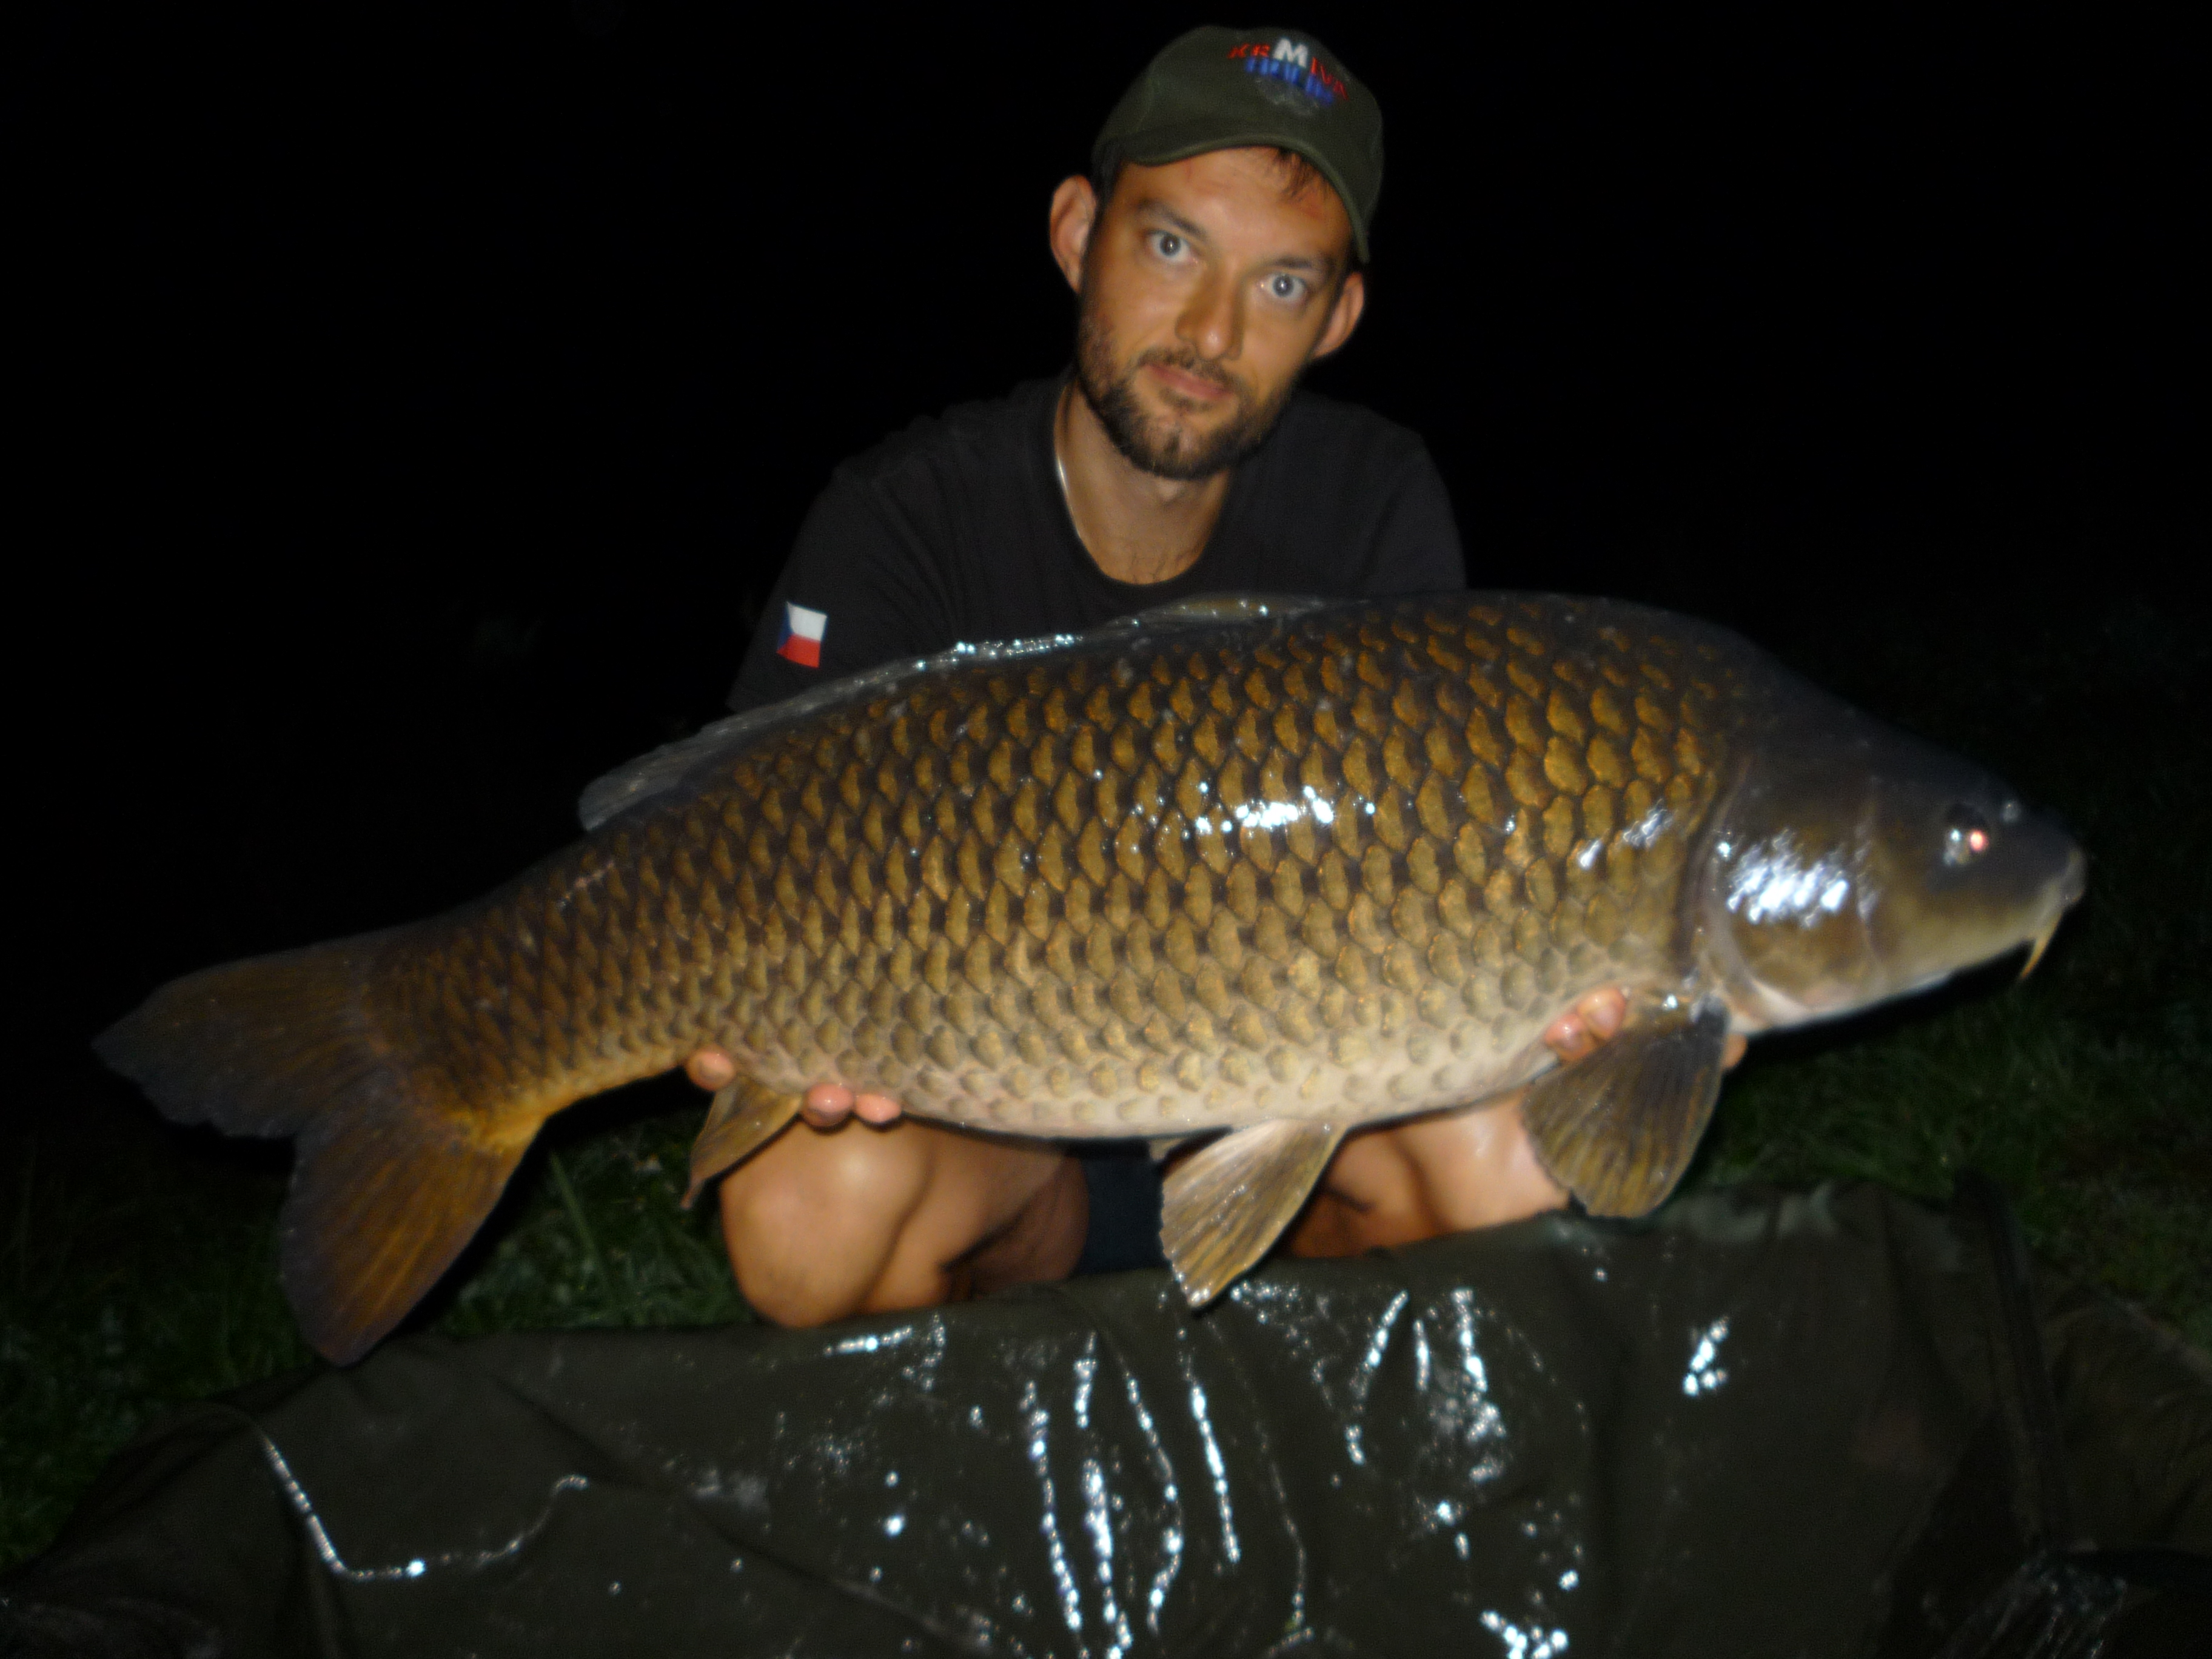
(1617, 1129)
(744, 1118)
(1226, 1205)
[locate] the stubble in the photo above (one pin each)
(1161, 448)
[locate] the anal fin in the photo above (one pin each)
(744, 1118)
(1618, 1128)
(1225, 1205)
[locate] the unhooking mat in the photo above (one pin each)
(1759, 1424)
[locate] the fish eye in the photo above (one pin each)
(1965, 835)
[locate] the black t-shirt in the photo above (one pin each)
(956, 531)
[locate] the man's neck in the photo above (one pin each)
(1137, 527)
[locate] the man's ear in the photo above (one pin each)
(1074, 215)
(1344, 315)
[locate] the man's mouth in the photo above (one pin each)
(1184, 384)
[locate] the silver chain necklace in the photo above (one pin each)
(1059, 469)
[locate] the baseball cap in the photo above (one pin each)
(1222, 88)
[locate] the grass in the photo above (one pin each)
(2083, 1091)
(137, 1260)
(140, 1270)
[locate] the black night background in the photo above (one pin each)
(413, 409)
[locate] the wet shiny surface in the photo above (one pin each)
(1314, 867)
(1330, 866)
(1342, 864)
(1347, 861)
(1718, 1433)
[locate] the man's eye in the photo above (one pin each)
(1283, 286)
(1166, 244)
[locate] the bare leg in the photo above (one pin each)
(824, 1224)
(860, 1209)
(1452, 1170)
(1442, 1174)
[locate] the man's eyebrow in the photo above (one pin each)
(1152, 207)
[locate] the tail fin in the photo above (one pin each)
(393, 1171)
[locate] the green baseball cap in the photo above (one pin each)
(1221, 88)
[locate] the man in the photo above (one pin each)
(1215, 252)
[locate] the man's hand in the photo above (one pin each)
(887, 1212)
(826, 1105)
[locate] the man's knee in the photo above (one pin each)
(812, 1220)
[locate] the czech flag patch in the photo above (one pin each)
(801, 640)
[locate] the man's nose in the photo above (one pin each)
(1212, 323)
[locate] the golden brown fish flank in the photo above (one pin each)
(1201, 883)
(1282, 873)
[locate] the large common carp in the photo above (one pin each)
(1275, 867)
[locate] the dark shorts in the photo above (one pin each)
(1124, 1184)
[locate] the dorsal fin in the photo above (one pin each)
(654, 774)
(1211, 609)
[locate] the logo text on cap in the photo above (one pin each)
(1294, 64)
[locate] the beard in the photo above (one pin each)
(1163, 448)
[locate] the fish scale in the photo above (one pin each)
(1275, 871)
(1348, 871)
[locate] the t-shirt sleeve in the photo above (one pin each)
(1416, 547)
(856, 593)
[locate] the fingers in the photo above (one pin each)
(876, 1109)
(829, 1104)
(1599, 1016)
(826, 1105)
(1588, 1023)
(711, 1068)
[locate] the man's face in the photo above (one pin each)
(1205, 288)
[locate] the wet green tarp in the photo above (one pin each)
(1834, 1423)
